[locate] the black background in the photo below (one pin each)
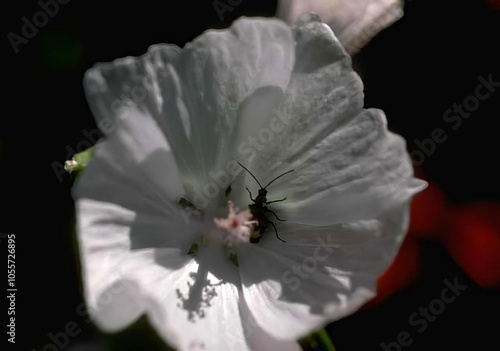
(414, 71)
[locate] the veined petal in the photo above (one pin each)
(184, 298)
(190, 313)
(220, 69)
(357, 172)
(112, 241)
(198, 307)
(169, 113)
(143, 190)
(259, 339)
(347, 165)
(194, 94)
(113, 296)
(169, 286)
(320, 274)
(136, 153)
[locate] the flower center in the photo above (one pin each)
(236, 228)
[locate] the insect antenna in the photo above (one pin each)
(278, 177)
(246, 169)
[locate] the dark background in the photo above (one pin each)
(414, 71)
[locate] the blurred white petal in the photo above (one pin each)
(354, 22)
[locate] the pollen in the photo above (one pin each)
(70, 166)
(237, 227)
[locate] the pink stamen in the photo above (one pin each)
(237, 227)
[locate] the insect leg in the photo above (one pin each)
(187, 204)
(250, 194)
(228, 191)
(275, 215)
(276, 231)
(270, 202)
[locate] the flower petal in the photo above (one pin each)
(260, 340)
(114, 300)
(138, 154)
(347, 166)
(364, 171)
(194, 94)
(354, 22)
(191, 308)
(198, 306)
(221, 69)
(121, 284)
(320, 274)
(132, 195)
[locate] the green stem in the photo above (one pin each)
(317, 341)
(325, 340)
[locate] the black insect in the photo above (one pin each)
(259, 209)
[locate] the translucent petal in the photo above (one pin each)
(355, 22)
(320, 274)
(347, 165)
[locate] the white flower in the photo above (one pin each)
(151, 203)
(354, 22)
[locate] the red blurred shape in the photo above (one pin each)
(400, 274)
(474, 241)
(488, 211)
(428, 217)
(495, 4)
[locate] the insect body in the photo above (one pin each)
(259, 209)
